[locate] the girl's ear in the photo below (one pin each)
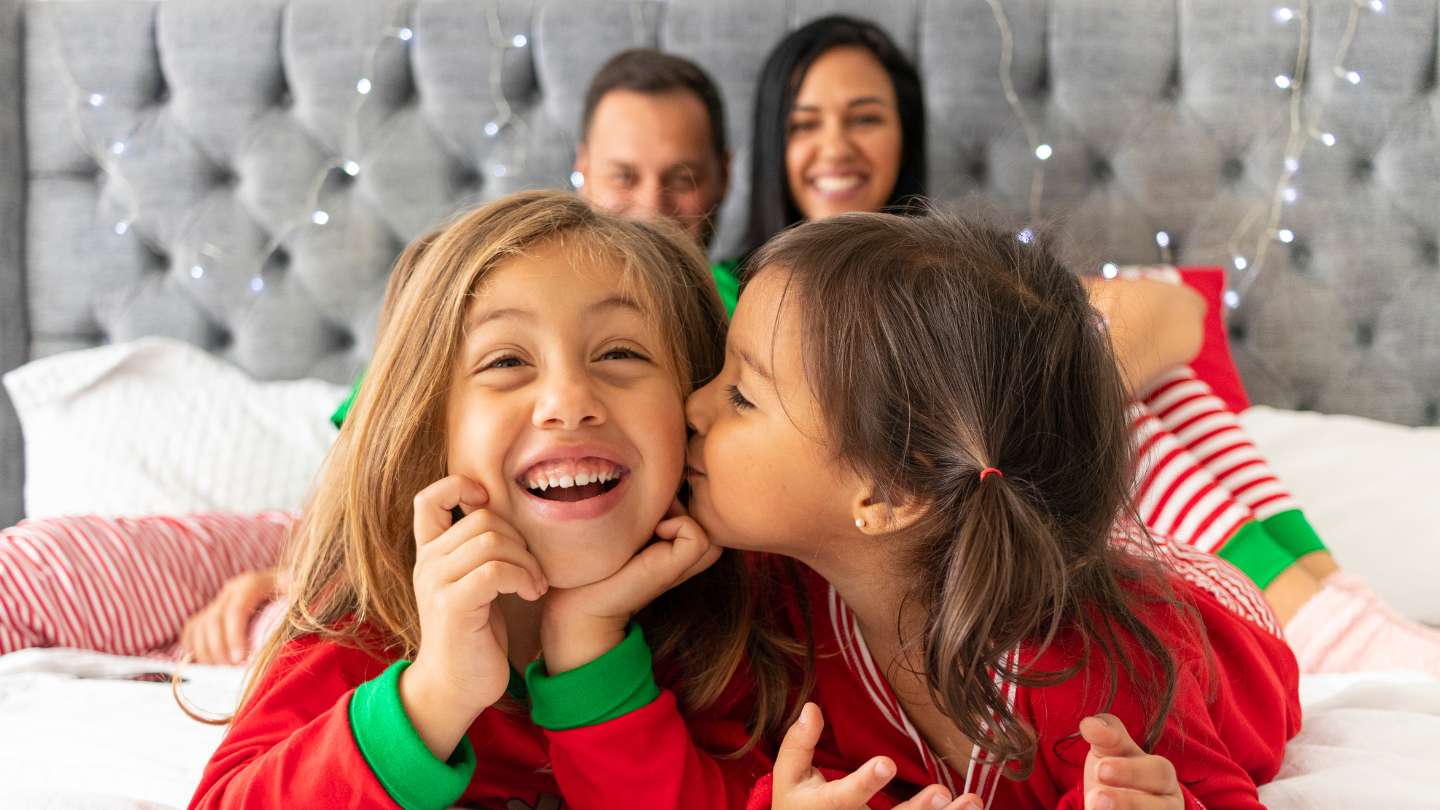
(876, 512)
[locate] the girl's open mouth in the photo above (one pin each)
(572, 479)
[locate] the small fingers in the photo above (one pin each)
(1108, 737)
(1146, 774)
(235, 615)
(481, 586)
(487, 547)
(1121, 799)
(433, 505)
(797, 750)
(859, 786)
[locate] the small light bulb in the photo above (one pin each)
(95, 100)
(405, 34)
(1285, 235)
(121, 227)
(1109, 270)
(1162, 239)
(1026, 236)
(196, 271)
(1043, 151)
(1327, 138)
(1282, 81)
(319, 217)
(1352, 76)
(1232, 299)
(363, 86)
(577, 179)
(117, 148)
(1377, 6)
(1290, 195)
(491, 128)
(257, 284)
(1284, 15)
(1292, 165)
(1241, 263)
(501, 171)
(351, 168)
(519, 41)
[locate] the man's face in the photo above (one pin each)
(649, 156)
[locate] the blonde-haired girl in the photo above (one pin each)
(502, 485)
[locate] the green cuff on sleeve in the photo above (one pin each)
(412, 775)
(615, 684)
(1294, 533)
(1256, 554)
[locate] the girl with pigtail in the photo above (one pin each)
(925, 417)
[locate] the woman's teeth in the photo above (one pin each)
(830, 184)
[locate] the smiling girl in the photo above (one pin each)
(500, 487)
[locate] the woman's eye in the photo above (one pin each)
(868, 120)
(802, 126)
(738, 399)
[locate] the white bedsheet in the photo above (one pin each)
(73, 736)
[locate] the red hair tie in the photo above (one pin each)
(989, 470)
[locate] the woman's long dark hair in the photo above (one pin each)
(772, 206)
(979, 350)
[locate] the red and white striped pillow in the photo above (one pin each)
(124, 585)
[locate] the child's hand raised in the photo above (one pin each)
(462, 667)
(581, 624)
(798, 785)
(1119, 775)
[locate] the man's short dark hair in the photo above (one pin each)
(648, 71)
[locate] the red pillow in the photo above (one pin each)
(1214, 364)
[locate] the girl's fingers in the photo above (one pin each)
(935, 797)
(481, 586)
(797, 750)
(489, 546)
(859, 786)
(469, 527)
(1108, 737)
(1121, 799)
(1146, 774)
(433, 505)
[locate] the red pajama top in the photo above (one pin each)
(1225, 734)
(326, 729)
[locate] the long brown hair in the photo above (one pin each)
(937, 348)
(353, 553)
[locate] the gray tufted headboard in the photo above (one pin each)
(211, 170)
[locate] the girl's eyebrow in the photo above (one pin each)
(616, 302)
(756, 366)
(484, 316)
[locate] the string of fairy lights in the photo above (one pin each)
(109, 151)
(1302, 130)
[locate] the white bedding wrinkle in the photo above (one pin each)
(159, 426)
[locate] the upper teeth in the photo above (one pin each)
(834, 183)
(544, 482)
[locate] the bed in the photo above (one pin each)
(237, 175)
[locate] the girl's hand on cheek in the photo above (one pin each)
(462, 667)
(798, 785)
(581, 624)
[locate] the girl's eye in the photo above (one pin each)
(622, 354)
(738, 399)
(508, 361)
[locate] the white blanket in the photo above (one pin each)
(74, 733)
